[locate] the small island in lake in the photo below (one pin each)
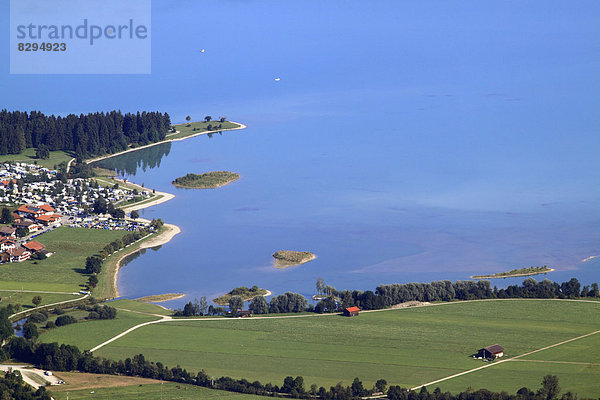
(243, 292)
(288, 258)
(207, 180)
(515, 273)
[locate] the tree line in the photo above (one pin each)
(85, 135)
(388, 295)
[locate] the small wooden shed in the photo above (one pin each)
(351, 311)
(493, 351)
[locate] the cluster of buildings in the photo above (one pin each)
(12, 251)
(22, 183)
(48, 202)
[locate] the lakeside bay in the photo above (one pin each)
(359, 245)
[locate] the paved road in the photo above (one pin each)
(27, 370)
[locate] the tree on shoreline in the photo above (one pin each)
(259, 305)
(236, 303)
(320, 286)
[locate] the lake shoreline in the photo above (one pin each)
(104, 157)
(170, 230)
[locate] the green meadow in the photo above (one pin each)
(28, 156)
(407, 347)
(138, 306)
(61, 271)
(24, 298)
(201, 126)
(87, 334)
(165, 391)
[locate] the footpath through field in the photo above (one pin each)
(516, 358)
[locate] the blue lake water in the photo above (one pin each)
(405, 141)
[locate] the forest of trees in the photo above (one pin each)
(85, 135)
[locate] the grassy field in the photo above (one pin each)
(147, 391)
(408, 347)
(91, 333)
(24, 298)
(28, 156)
(60, 272)
(200, 126)
(138, 306)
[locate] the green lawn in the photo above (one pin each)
(408, 347)
(200, 126)
(28, 156)
(88, 334)
(139, 306)
(24, 298)
(513, 375)
(169, 391)
(61, 272)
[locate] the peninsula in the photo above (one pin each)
(516, 273)
(289, 258)
(242, 291)
(207, 180)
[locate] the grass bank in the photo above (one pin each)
(63, 271)
(128, 388)
(28, 156)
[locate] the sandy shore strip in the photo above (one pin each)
(92, 160)
(158, 240)
(165, 237)
(164, 197)
(589, 258)
(159, 298)
(511, 275)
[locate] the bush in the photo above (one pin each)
(59, 311)
(50, 325)
(37, 317)
(65, 320)
(30, 330)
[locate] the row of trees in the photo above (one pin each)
(334, 300)
(86, 135)
(388, 295)
(67, 358)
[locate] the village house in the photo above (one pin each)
(491, 352)
(8, 231)
(34, 246)
(15, 255)
(351, 311)
(7, 243)
(29, 225)
(34, 212)
(47, 219)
